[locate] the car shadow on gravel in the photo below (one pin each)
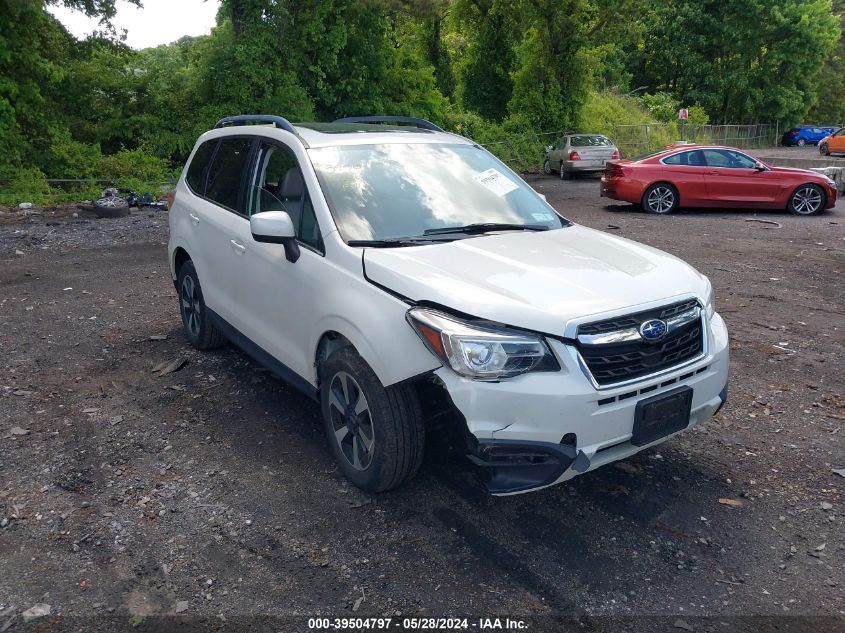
(712, 212)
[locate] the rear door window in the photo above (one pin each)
(198, 169)
(226, 174)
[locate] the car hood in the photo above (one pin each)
(796, 170)
(534, 280)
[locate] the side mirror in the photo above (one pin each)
(275, 227)
(760, 166)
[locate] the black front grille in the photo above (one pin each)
(633, 320)
(618, 362)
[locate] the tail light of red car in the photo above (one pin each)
(615, 155)
(574, 156)
(613, 170)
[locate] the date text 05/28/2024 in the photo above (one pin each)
(416, 624)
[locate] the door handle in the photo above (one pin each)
(712, 173)
(239, 248)
(194, 219)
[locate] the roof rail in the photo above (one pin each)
(242, 119)
(420, 123)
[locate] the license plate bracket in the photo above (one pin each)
(661, 415)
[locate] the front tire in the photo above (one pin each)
(199, 329)
(808, 199)
(661, 198)
(376, 433)
(824, 150)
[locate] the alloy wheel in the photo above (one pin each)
(806, 201)
(661, 200)
(351, 420)
(191, 306)
(111, 202)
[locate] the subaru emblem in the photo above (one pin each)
(653, 330)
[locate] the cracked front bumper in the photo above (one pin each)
(540, 429)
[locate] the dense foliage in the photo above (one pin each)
(510, 73)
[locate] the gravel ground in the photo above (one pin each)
(210, 492)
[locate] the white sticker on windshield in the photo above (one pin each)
(496, 182)
(542, 217)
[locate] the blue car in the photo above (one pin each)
(805, 134)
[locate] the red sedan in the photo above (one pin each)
(712, 176)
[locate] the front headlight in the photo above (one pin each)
(480, 352)
(710, 298)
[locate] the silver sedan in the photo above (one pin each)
(579, 153)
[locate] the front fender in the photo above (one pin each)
(387, 343)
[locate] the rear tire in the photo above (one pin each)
(661, 198)
(199, 329)
(808, 199)
(801, 142)
(564, 175)
(376, 433)
(547, 167)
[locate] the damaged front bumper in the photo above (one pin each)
(509, 467)
(540, 429)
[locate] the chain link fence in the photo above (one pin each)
(638, 139)
(525, 152)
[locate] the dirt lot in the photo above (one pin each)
(210, 491)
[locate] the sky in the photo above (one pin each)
(159, 22)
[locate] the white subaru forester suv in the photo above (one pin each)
(397, 272)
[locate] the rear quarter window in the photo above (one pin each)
(198, 169)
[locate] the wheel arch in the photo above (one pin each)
(329, 342)
(400, 356)
(180, 256)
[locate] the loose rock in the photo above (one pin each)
(36, 611)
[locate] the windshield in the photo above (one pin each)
(401, 190)
(589, 140)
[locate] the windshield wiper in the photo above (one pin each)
(486, 227)
(393, 242)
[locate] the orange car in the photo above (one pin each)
(833, 144)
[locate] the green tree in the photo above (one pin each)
(35, 52)
(743, 60)
(491, 29)
(550, 85)
(830, 107)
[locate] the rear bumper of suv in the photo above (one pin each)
(541, 429)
